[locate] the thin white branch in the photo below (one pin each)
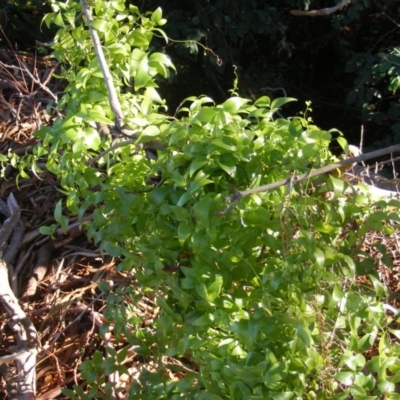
(112, 93)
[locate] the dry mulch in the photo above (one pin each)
(62, 299)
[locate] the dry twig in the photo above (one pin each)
(238, 195)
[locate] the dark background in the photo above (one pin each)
(344, 63)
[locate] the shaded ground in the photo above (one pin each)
(58, 277)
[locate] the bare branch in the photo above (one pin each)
(322, 12)
(320, 171)
(38, 82)
(112, 93)
(94, 160)
(12, 220)
(25, 332)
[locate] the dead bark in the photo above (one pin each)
(24, 355)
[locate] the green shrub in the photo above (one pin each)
(259, 298)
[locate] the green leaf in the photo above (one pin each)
(156, 16)
(178, 135)
(377, 219)
(162, 302)
(47, 230)
(263, 101)
(197, 103)
(275, 374)
(225, 143)
(366, 341)
(151, 131)
(202, 210)
(337, 294)
(354, 362)
(380, 289)
(92, 139)
(95, 96)
(319, 257)
(204, 320)
(184, 198)
(185, 229)
(259, 216)
(59, 217)
(111, 249)
(100, 25)
(228, 163)
(99, 116)
(234, 104)
(207, 114)
(343, 144)
(181, 214)
(103, 286)
(161, 59)
(358, 393)
(345, 378)
(199, 181)
(196, 164)
(210, 291)
(200, 242)
(214, 288)
(58, 20)
(47, 19)
(69, 393)
(118, 5)
(386, 387)
(279, 102)
(304, 334)
(335, 185)
(367, 382)
(137, 39)
(146, 106)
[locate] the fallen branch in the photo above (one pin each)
(40, 270)
(322, 12)
(25, 332)
(238, 195)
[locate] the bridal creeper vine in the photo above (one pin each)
(261, 301)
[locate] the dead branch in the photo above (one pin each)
(322, 12)
(25, 332)
(112, 93)
(40, 270)
(42, 85)
(238, 195)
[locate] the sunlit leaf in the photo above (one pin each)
(234, 104)
(345, 378)
(279, 102)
